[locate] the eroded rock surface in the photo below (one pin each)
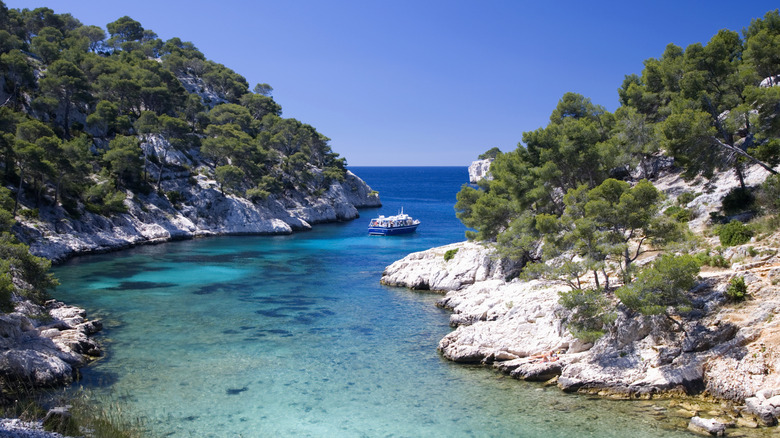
(43, 346)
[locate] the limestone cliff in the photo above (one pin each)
(199, 209)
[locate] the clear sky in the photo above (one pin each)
(426, 82)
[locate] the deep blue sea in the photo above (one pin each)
(259, 336)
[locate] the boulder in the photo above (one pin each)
(762, 410)
(470, 262)
(34, 368)
(49, 354)
(539, 371)
(707, 426)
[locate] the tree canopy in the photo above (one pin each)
(571, 200)
(84, 110)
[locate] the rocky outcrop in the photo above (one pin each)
(480, 169)
(446, 268)
(729, 352)
(196, 210)
(43, 346)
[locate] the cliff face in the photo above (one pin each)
(199, 209)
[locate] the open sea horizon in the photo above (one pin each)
(266, 336)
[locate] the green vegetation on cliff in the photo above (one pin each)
(89, 118)
(558, 198)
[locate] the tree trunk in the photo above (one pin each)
(740, 175)
(159, 176)
(19, 189)
(57, 187)
(145, 166)
(66, 121)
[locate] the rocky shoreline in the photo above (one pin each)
(722, 351)
(202, 210)
(44, 346)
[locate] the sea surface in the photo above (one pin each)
(269, 336)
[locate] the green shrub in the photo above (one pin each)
(6, 220)
(679, 214)
(257, 194)
(17, 262)
(590, 313)
(334, 174)
(716, 260)
(6, 290)
(490, 153)
(174, 196)
(685, 198)
(662, 285)
(737, 289)
(737, 201)
(103, 199)
(734, 233)
(768, 197)
(450, 254)
(29, 213)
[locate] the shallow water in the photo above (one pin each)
(294, 336)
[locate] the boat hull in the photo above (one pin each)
(392, 231)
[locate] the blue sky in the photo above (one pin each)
(426, 82)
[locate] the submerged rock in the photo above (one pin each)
(707, 426)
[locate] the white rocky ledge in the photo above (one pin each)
(507, 323)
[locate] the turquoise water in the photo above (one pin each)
(294, 336)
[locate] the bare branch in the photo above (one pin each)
(746, 155)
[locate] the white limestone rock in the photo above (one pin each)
(508, 321)
(46, 355)
(480, 169)
(34, 367)
(203, 210)
(501, 321)
(428, 270)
